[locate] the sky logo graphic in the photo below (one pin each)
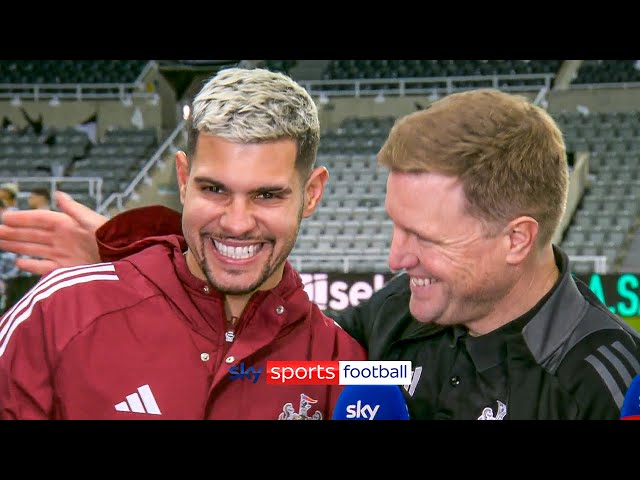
(371, 402)
(358, 410)
(239, 372)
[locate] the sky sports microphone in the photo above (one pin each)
(371, 402)
(631, 405)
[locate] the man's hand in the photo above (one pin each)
(60, 239)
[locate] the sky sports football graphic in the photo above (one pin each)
(332, 372)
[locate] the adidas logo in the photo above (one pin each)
(142, 403)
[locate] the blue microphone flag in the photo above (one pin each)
(631, 403)
(371, 402)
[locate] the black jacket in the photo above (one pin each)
(569, 358)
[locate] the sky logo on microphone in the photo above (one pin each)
(366, 412)
(371, 402)
(631, 404)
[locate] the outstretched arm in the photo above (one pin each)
(77, 235)
(58, 239)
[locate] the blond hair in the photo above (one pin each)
(255, 106)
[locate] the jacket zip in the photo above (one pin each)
(230, 334)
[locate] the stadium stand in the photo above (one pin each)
(607, 217)
(358, 101)
(512, 73)
(70, 71)
(607, 71)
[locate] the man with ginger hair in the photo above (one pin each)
(485, 305)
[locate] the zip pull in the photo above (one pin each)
(230, 335)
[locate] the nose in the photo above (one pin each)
(238, 218)
(400, 253)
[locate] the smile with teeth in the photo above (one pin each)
(421, 282)
(237, 253)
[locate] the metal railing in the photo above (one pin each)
(540, 99)
(73, 91)
(25, 184)
(351, 263)
(303, 263)
(79, 91)
(595, 86)
(118, 199)
(599, 262)
(424, 85)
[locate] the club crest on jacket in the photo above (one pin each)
(487, 413)
(306, 402)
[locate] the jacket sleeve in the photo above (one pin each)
(597, 373)
(135, 229)
(359, 321)
(26, 389)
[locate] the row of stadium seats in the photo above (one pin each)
(590, 71)
(608, 214)
(70, 71)
(69, 153)
(127, 71)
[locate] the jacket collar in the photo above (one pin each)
(541, 331)
(173, 247)
(557, 319)
(544, 329)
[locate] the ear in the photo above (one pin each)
(522, 234)
(182, 173)
(314, 189)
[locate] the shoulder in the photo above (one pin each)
(592, 353)
(391, 301)
(134, 230)
(323, 323)
(72, 298)
(64, 282)
(391, 297)
(67, 283)
(598, 370)
(58, 307)
(397, 285)
(328, 331)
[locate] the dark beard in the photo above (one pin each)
(267, 271)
